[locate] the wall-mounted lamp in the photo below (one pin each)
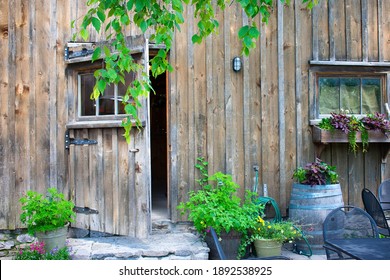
(237, 64)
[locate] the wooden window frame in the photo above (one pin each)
(317, 72)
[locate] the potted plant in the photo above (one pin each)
(269, 236)
(316, 193)
(47, 217)
(216, 204)
(356, 129)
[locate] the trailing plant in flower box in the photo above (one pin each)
(351, 125)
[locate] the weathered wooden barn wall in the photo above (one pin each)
(261, 115)
(33, 106)
(354, 33)
(38, 104)
(258, 116)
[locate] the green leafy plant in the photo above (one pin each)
(43, 213)
(316, 173)
(36, 251)
(217, 204)
(280, 231)
(283, 231)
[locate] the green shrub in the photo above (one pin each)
(41, 213)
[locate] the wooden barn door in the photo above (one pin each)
(110, 179)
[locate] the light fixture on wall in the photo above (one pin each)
(237, 64)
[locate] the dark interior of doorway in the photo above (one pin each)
(158, 135)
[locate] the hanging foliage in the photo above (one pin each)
(163, 17)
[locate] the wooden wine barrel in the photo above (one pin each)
(309, 206)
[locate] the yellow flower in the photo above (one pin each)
(269, 226)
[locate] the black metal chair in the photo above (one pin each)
(222, 255)
(384, 197)
(374, 208)
(344, 223)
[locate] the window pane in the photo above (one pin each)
(107, 101)
(350, 95)
(371, 95)
(329, 96)
(87, 82)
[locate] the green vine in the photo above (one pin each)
(163, 17)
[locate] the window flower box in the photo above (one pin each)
(337, 136)
(322, 137)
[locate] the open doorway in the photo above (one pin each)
(158, 135)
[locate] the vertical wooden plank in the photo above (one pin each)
(383, 30)
(332, 32)
(42, 98)
(200, 104)
(132, 198)
(100, 194)
(298, 71)
(5, 164)
(10, 118)
(234, 100)
(190, 161)
(249, 160)
(365, 38)
(304, 147)
(337, 20)
(324, 35)
(52, 75)
(228, 108)
(63, 25)
(355, 179)
(384, 48)
(21, 106)
(281, 106)
(372, 172)
(353, 30)
(93, 163)
(289, 49)
(83, 172)
(373, 32)
(315, 32)
(142, 187)
(181, 110)
(107, 180)
(270, 118)
(32, 97)
(173, 132)
(216, 101)
(252, 112)
(116, 219)
(123, 186)
(380, 30)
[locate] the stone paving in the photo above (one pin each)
(173, 246)
(165, 243)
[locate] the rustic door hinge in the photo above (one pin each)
(71, 141)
